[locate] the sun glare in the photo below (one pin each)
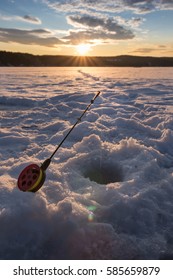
(83, 49)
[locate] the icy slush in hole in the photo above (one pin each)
(104, 173)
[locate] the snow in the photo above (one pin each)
(109, 189)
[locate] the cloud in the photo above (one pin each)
(78, 37)
(86, 21)
(137, 6)
(135, 22)
(94, 28)
(99, 23)
(162, 46)
(26, 18)
(167, 4)
(89, 29)
(31, 19)
(40, 37)
(145, 50)
(147, 6)
(84, 5)
(89, 23)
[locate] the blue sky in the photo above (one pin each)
(87, 27)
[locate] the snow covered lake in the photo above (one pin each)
(109, 189)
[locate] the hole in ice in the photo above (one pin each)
(104, 173)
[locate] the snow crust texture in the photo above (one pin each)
(109, 189)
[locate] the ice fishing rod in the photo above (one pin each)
(33, 176)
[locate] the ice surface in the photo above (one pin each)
(109, 189)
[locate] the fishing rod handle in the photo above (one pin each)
(45, 164)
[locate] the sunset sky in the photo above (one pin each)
(86, 27)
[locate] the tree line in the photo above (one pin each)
(26, 59)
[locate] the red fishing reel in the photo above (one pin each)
(31, 178)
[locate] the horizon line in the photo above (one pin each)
(84, 56)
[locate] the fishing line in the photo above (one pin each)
(33, 176)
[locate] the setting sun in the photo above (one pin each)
(83, 49)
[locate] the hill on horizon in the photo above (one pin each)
(26, 59)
